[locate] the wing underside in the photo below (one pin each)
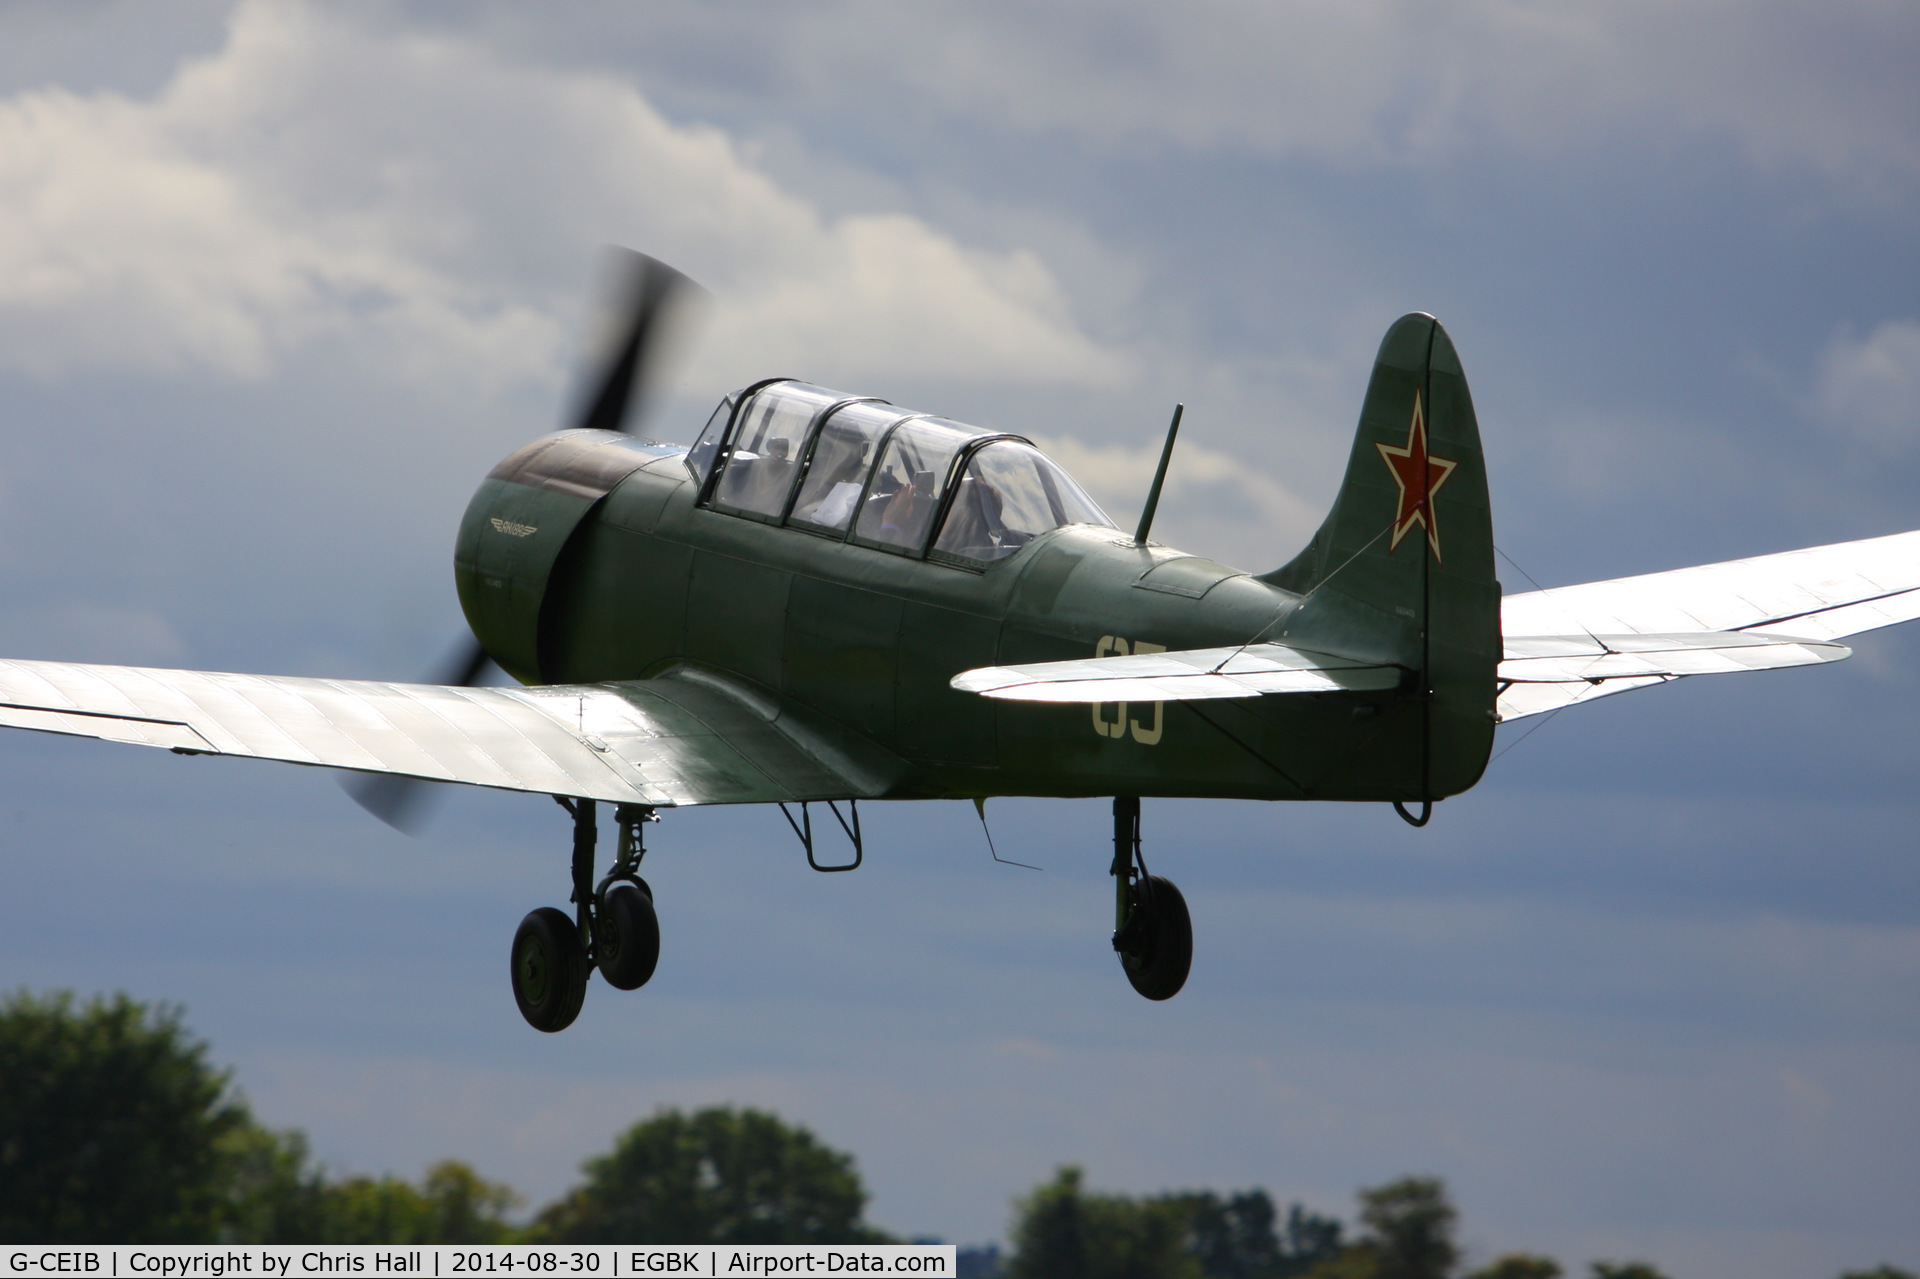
(689, 738)
(1577, 643)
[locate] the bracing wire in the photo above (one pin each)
(1544, 591)
(1529, 733)
(1301, 603)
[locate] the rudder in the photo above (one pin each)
(1402, 570)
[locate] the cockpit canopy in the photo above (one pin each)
(857, 468)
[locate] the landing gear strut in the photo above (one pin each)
(626, 933)
(613, 929)
(1152, 932)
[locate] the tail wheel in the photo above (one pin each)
(549, 970)
(1156, 946)
(627, 935)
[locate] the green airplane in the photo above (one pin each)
(828, 598)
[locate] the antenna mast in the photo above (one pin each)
(1159, 478)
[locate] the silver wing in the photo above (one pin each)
(686, 738)
(1576, 643)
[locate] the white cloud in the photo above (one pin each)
(1213, 503)
(1387, 81)
(430, 204)
(1870, 387)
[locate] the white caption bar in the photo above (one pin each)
(455, 1261)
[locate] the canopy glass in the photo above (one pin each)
(802, 455)
(1009, 494)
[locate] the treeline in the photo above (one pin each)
(1406, 1231)
(115, 1127)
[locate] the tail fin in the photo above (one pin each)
(1402, 571)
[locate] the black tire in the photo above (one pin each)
(628, 936)
(549, 970)
(1158, 942)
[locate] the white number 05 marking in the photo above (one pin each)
(1120, 725)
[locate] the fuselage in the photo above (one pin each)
(613, 560)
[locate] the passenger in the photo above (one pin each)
(831, 492)
(974, 527)
(767, 479)
(904, 519)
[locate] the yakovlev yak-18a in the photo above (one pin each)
(828, 598)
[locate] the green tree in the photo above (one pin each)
(1624, 1270)
(452, 1205)
(1307, 1240)
(464, 1207)
(279, 1197)
(273, 1194)
(1231, 1238)
(1409, 1228)
(719, 1175)
(1355, 1261)
(1050, 1230)
(113, 1127)
(1519, 1265)
(1236, 1237)
(1062, 1232)
(1881, 1271)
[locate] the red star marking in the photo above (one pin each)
(1419, 475)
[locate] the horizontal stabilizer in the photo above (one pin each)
(1190, 675)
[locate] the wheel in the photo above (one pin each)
(549, 970)
(1156, 948)
(628, 935)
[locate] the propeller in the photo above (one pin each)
(639, 298)
(643, 304)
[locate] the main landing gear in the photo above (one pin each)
(613, 929)
(1152, 932)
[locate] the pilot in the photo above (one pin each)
(904, 517)
(974, 527)
(838, 485)
(771, 473)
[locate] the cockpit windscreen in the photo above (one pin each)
(765, 452)
(1009, 495)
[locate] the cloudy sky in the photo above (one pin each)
(280, 281)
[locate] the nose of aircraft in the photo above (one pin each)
(645, 304)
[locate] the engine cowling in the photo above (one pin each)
(519, 522)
